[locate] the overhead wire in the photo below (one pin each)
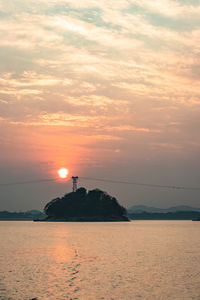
(106, 181)
(26, 182)
(143, 184)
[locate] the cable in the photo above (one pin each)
(26, 182)
(106, 180)
(143, 184)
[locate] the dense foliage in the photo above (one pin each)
(82, 203)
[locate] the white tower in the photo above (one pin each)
(74, 179)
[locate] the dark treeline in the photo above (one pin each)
(179, 215)
(105, 210)
(6, 215)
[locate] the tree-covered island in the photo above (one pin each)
(83, 205)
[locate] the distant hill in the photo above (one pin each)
(181, 212)
(19, 216)
(150, 209)
(178, 215)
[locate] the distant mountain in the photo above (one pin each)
(183, 208)
(150, 209)
(178, 215)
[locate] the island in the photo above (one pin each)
(85, 206)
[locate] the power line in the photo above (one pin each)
(26, 182)
(144, 184)
(107, 181)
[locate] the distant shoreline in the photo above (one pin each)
(16, 220)
(40, 217)
(179, 215)
(85, 219)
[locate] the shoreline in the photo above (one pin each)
(85, 219)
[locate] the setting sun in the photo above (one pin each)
(63, 172)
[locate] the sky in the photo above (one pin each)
(107, 89)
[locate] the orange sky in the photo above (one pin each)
(104, 89)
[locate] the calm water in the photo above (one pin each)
(136, 260)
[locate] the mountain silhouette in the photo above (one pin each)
(151, 209)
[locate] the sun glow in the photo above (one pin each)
(63, 172)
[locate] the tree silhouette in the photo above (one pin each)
(83, 204)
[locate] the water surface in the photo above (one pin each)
(136, 260)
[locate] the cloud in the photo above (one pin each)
(115, 69)
(168, 7)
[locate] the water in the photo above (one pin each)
(136, 260)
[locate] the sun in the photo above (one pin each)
(63, 172)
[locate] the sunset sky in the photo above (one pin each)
(108, 89)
